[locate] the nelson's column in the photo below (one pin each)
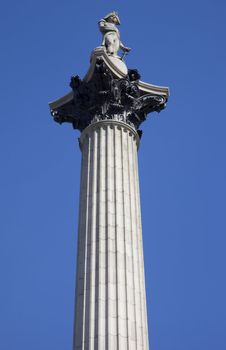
(108, 106)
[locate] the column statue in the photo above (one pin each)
(111, 35)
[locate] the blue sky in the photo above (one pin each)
(180, 44)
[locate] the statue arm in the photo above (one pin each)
(124, 48)
(106, 27)
(101, 24)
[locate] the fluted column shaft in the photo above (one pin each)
(110, 310)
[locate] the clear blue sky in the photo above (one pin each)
(180, 44)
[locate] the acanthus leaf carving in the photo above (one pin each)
(107, 97)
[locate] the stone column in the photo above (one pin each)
(108, 106)
(110, 311)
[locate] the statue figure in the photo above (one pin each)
(111, 35)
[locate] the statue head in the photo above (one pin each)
(112, 17)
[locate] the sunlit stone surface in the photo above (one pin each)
(110, 299)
